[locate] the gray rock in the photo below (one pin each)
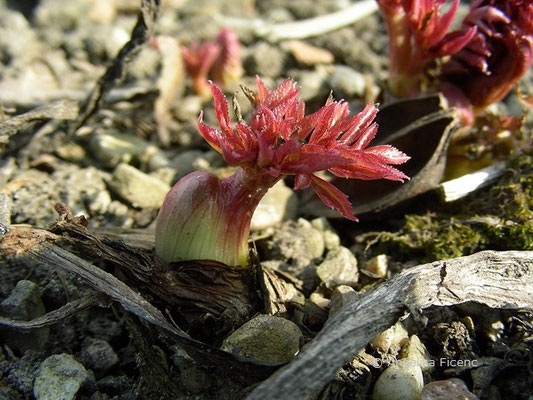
(20, 372)
(145, 65)
(139, 189)
(265, 60)
(18, 40)
(24, 303)
(187, 161)
(59, 377)
(447, 389)
(189, 108)
(338, 268)
(414, 349)
(63, 15)
(400, 381)
(118, 214)
(331, 239)
(377, 266)
(296, 241)
(195, 379)
(83, 189)
(98, 355)
(347, 82)
(391, 339)
(72, 152)
(34, 198)
(341, 296)
(155, 159)
(314, 83)
(297, 245)
(265, 340)
(104, 327)
(279, 204)
(112, 149)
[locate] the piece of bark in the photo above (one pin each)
(495, 279)
(59, 109)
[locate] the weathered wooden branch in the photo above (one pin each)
(496, 279)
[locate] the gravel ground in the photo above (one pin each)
(116, 167)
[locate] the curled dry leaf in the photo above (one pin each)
(420, 127)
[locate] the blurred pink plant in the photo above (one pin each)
(219, 60)
(486, 56)
(418, 34)
(498, 55)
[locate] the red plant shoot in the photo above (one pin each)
(204, 217)
(498, 55)
(219, 60)
(481, 61)
(418, 34)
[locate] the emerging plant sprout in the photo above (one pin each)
(198, 59)
(219, 60)
(498, 55)
(486, 56)
(204, 217)
(418, 34)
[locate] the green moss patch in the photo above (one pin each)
(499, 218)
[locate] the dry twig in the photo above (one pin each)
(116, 72)
(305, 28)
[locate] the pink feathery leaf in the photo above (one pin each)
(358, 124)
(365, 137)
(211, 136)
(332, 197)
(314, 158)
(281, 140)
(390, 155)
(367, 166)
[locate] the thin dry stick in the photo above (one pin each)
(306, 28)
(116, 72)
(53, 317)
(496, 279)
